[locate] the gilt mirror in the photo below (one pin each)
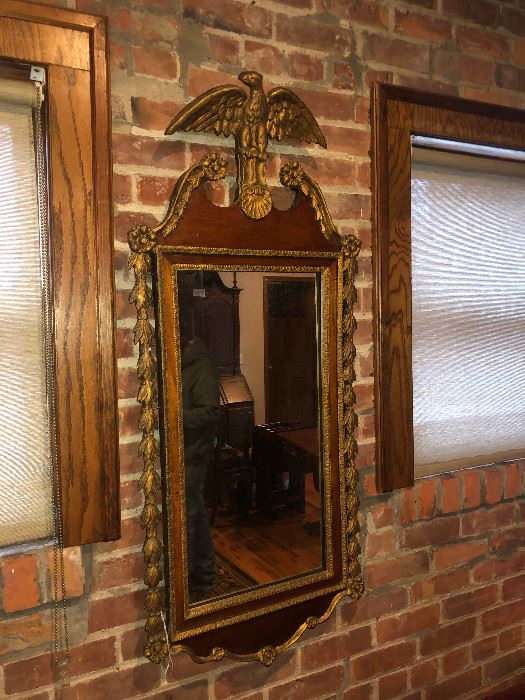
(248, 374)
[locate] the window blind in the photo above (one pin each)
(468, 310)
(25, 483)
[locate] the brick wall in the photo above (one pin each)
(444, 612)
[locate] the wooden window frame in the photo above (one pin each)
(398, 113)
(73, 49)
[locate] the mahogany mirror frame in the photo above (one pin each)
(260, 622)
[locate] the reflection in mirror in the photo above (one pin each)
(250, 367)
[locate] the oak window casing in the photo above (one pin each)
(72, 48)
(398, 114)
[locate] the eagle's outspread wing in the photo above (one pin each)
(218, 110)
(289, 116)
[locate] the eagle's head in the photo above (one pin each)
(250, 78)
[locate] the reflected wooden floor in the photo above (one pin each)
(271, 548)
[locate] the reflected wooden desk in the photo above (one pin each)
(279, 448)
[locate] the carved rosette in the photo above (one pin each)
(350, 247)
(142, 240)
(293, 176)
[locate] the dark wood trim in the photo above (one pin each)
(81, 256)
(397, 113)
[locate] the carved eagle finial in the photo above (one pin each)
(251, 119)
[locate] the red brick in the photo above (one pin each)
(361, 12)
(456, 686)
(513, 20)
(197, 690)
(440, 584)
(365, 363)
(493, 485)
(343, 76)
(510, 639)
(519, 51)
(305, 67)
(512, 486)
(131, 535)
(118, 571)
(505, 665)
(121, 188)
(482, 12)
(382, 660)
(230, 15)
(471, 489)
(364, 394)
(73, 571)
(405, 624)
(124, 683)
(224, 49)
(124, 221)
(470, 602)
(370, 607)
(424, 674)
(127, 382)
(503, 615)
(21, 633)
(130, 495)
(396, 52)
(310, 687)
(391, 570)
(456, 660)
(366, 426)
(487, 520)
(154, 190)
(112, 611)
(359, 692)
(129, 419)
(382, 515)
(142, 150)
(422, 26)
(513, 587)
(449, 495)
(155, 27)
(381, 543)
(496, 568)
(150, 114)
(158, 62)
(484, 648)
(32, 673)
(130, 460)
(330, 105)
(20, 582)
(264, 58)
(476, 40)
(309, 34)
(408, 505)
(456, 67)
(201, 79)
(508, 540)
(241, 679)
(327, 651)
(448, 636)
(426, 489)
(459, 553)
(432, 533)
(393, 685)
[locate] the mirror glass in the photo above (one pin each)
(251, 394)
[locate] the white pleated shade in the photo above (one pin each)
(25, 485)
(468, 311)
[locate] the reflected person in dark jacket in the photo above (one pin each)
(200, 402)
